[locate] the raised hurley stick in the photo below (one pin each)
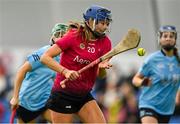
(130, 41)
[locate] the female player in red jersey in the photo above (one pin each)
(78, 48)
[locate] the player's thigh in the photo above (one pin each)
(47, 115)
(90, 113)
(148, 115)
(20, 121)
(61, 118)
(26, 115)
(149, 119)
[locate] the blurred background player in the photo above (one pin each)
(160, 78)
(33, 83)
(78, 48)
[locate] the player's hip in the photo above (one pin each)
(67, 103)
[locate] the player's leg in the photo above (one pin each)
(91, 113)
(62, 107)
(20, 121)
(148, 116)
(149, 119)
(47, 115)
(157, 118)
(26, 116)
(61, 118)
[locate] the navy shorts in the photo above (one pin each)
(150, 112)
(64, 103)
(27, 115)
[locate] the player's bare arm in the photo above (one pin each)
(18, 81)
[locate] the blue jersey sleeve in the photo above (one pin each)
(34, 58)
(145, 68)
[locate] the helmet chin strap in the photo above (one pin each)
(94, 25)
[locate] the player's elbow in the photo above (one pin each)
(134, 81)
(137, 80)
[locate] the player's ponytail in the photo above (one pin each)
(177, 55)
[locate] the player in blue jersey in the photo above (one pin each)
(33, 83)
(159, 78)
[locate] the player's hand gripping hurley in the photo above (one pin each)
(130, 41)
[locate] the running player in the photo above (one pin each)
(33, 83)
(160, 79)
(79, 48)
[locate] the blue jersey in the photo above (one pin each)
(37, 84)
(165, 74)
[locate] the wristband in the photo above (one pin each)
(63, 71)
(145, 81)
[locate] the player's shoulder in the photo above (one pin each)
(37, 53)
(71, 34)
(104, 39)
(42, 49)
(153, 56)
(107, 38)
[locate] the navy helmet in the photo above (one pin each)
(98, 13)
(167, 28)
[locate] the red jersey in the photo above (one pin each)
(75, 55)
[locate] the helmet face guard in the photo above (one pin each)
(58, 29)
